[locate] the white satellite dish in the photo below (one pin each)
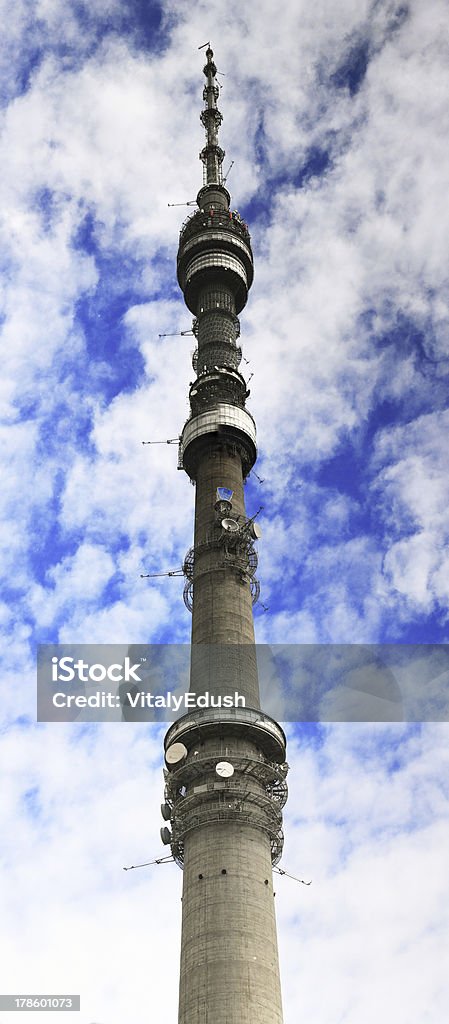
(255, 531)
(230, 525)
(176, 753)
(224, 769)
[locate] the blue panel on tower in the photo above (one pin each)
(224, 494)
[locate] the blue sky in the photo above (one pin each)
(336, 118)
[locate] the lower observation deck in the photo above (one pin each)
(258, 727)
(230, 424)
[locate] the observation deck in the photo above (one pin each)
(250, 723)
(230, 424)
(213, 244)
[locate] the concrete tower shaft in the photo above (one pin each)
(225, 768)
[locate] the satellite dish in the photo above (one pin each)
(224, 769)
(255, 531)
(166, 811)
(230, 525)
(166, 835)
(223, 508)
(176, 753)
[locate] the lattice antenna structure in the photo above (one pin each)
(212, 155)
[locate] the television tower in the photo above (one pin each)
(225, 766)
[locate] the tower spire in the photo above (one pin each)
(213, 193)
(212, 155)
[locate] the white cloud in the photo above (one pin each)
(413, 495)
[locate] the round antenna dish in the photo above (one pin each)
(165, 835)
(176, 753)
(255, 531)
(223, 507)
(224, 769)
(166, 811)
(230, 525)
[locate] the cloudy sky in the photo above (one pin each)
(336, 117)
